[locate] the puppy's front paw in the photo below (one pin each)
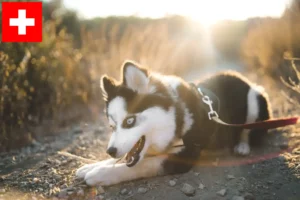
(242, 149)
(102, 175)
(82, 171)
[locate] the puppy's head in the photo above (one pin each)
(140, 118)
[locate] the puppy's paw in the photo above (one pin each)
(102, 175)
(242, 149)
(82, 171)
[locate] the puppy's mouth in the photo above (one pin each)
(133, 156)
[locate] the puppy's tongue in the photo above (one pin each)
(132, 159)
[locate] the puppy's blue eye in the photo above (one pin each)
(129, 122)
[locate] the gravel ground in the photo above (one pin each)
(41, 171)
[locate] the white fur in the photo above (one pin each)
(116, 111)
(113, 174)
(82, 171)
(157, 124)
(188, 121)
(253, 104)
(136, 79)
(170, 81)
(243, 148)
(162, 125)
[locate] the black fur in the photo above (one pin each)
(232, 90)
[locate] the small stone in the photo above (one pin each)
(124, 191)
(188, 190)
(269, 182)
(249, 196)
(243, 179)
(80, 192)
(284, 146)
(201, 186)
(100, 190)
(2, 191)
(62, 194)
(99, 130)
(70, 188)
(222, 192)
(230, 177)
(99, 197)
(142, 190)
(77, 130)
(238, 198)
(172, 183)
(281, 158)
(36, 180)
(196, 174)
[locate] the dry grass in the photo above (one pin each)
(53, 79)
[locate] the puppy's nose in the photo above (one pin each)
(112, 151)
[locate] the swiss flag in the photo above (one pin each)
(22, 21)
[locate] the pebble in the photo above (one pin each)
(281, 158)
(124, 191)
(35, 180)
(172, 183)
(238, 198)
(249, 196)
(100, 190)
(188, 190)
(80, 192)
(269, 182)
(201, 186)
(230, 177)
(283, 146)
(62, 194)
(142, 190)
(2, 191)
(99, 197)
(222, 192)
(99, 130)
(77, 130)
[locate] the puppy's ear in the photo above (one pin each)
(108, 86)
(135, 77)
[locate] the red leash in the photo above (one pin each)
(267, 124)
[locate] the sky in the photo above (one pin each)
(204, 11)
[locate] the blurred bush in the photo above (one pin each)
(270, 40)
(49, 80)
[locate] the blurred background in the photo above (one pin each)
(55, 83)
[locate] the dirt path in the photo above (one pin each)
(272, 172)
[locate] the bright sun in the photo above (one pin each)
(206, 12)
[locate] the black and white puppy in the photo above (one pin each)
(149, 112)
